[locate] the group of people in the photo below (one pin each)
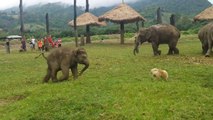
(43, 45)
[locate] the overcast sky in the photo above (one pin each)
(93, 3)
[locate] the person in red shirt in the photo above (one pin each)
(40, 44)
(50, 40)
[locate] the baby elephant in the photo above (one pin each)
(64, 59)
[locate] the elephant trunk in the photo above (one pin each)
(85, 67)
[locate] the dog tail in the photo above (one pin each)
(42, 55)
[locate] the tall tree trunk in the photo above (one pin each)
(21, 18)
(47, 24)
(122, 32)
(88, 40)
(172, 20)
(159, 18)
(75, 27)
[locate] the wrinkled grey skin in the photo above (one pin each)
(205, 35)
(156, 35)
(64, 59)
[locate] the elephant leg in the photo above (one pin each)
(155, 49)
(54, 75)
(170, 51)
(209, 48)
(47, 77)
(74, 72)
(204, 48)
(65, 72)
(176, 51)
(172, 48)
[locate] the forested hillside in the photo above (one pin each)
(60, 14)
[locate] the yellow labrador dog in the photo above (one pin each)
(158, 73)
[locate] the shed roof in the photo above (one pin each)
(122, 13)
(87, 19)
(207, 14)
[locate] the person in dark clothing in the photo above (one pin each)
(7, 46)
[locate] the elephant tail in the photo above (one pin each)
(42, 55)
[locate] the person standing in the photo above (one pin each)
(7, 46)
(33, 43)
(23, 44)
(40, 44)
(46, 44)
(50, 40)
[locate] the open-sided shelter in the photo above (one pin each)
(122, 14)
(87, 19)
(207, 14)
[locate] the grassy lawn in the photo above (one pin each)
(117, 85)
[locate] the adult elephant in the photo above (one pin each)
(203, 36)
(207, 38)
(158, 34)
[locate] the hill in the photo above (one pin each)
(60, 13)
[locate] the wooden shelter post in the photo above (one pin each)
(21, 18)
(47, 24)
(75, 27)
(137, 26)
(172, 20)
(88, 40)
(142, 23)
(159, 18)
(122, 32)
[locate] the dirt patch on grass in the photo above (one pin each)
(198, 60)
(11, 99)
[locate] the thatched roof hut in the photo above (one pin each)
(122, 14)
(207, 14)
(87, 19)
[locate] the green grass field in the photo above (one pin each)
(117, 85)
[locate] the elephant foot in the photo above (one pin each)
(207, 55)
(176, 52)
(159, 52)
(156, 54)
